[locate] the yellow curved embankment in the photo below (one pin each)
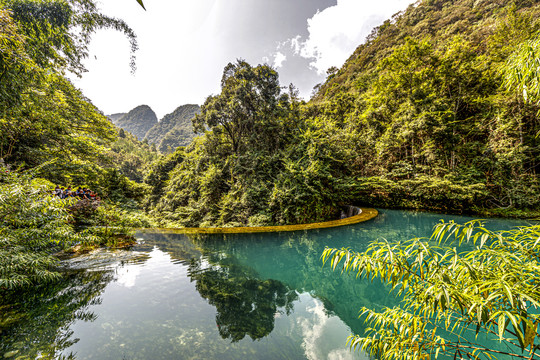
(365, 215)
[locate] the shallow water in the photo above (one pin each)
(243, 296)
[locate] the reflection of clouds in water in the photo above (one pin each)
(312, 330)
(325, 336)
(342, 354)
(127, 275)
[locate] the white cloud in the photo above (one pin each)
(279, 58)
(336, 31)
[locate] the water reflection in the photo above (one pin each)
(245, 305)
(211, 296)
(44, 315)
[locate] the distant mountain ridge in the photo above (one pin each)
(173, 130)
(115, 117)
(138, 121)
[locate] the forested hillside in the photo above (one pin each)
(424, 113)
(429, 113)
(438, 110)
(138, 121)
(174, 130)
(45, 121)
(131, 156)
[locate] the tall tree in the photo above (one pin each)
(248, 109)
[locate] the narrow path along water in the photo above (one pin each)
(364, 215)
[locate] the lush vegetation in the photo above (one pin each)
(44, 119)
(424, 115)
(131, 156)
(172, 131)
(424, 108)
(51, 134)
(438, 110)
(34, 225)
(258, 162)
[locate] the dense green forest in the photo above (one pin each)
(421, 116)
(430, 113)
(174, 129)
(51, 134)
(427, 97)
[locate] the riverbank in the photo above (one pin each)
(510, 213)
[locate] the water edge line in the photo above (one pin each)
(365, 215)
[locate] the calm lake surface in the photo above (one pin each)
(242, 296)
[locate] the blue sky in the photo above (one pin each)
(184, 46)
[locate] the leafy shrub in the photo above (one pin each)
(33, 225)
(450, 296)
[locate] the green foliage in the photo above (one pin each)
(33, 224)
(58, 32)
(55, 122)
(248, 109)
(522, 70)
(422, 114)
(446, 195)
(118, 188)
(113, 225)
(258, 164)
(158, 175)
(44, 119)
(450, 297)
(16, 66)
(131, 156)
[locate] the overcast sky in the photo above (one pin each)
(184, 46)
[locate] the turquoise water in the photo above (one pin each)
(176, 296)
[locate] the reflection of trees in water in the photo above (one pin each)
(294, 259)
(45, 313)
(245, 305)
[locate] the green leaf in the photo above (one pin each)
(141, 3)
(501, 323)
